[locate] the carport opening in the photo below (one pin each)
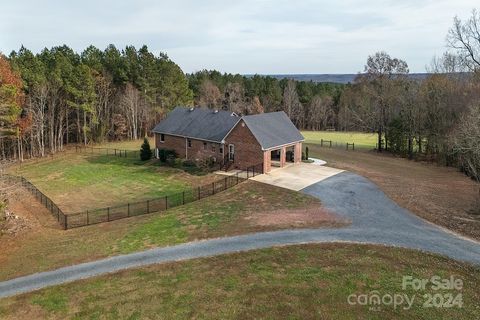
(275, 158)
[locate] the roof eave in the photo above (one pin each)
(187, 137)
(282, 145)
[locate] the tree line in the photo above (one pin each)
(59, 96)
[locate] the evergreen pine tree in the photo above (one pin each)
(145, 151)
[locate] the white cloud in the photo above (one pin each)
(249, 36)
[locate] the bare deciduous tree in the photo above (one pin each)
(291, 103)
(467, 144)
(320, 112)
(209, 95)
(464, 36)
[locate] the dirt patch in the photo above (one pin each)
(311, 217)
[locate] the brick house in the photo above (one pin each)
(234, 141)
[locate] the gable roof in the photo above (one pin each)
(198, 123)
(273, 129)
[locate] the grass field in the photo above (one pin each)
(126, 144)
(361, 140)
(78, 182)
(242, 209)
(294, 282)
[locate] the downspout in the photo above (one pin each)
(186, 149)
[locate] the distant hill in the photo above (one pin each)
(333, 78)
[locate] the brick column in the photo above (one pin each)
(298, 152)
(267, 161)
(283, 156)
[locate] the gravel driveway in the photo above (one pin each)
(375, 219)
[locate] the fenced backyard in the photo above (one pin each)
(135, 208)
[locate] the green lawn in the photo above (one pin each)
(294, 282)
(361, 140)
(77, 182)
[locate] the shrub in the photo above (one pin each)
(171, 160)
(145, 151)
(306, 153)
(164, 154)
(189, 163)
(303, 155)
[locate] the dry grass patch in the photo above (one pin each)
(291, 218)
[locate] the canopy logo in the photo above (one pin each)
(447, 298)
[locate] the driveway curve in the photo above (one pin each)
(375, 219)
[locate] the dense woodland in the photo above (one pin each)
(58, 97)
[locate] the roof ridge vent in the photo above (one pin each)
(234, 114)
(191, 109)
(215, 111)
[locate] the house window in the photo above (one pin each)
(221, 150)
(204, 146)
(162, 137)
(213, 148)
(189, 143)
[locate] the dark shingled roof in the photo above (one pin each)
(273, 129)
(270, 129)
(200, 123)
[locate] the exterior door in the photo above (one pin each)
(231, 152)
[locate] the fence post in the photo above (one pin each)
(148, 206)
(330, 143)
(108, 214)
(183, 197)
(166, 202)
(88, 220)
(198, 193)
(65, 225)
(213, 187)
(321, 142)
(128, 209)
(225, 183)
(353, 146)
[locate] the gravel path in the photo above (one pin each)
(375, 219)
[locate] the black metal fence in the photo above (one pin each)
(122, 153)
(166, 202)
(46, 201)
(88, 217)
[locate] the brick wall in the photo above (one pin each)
(197, 150)
(248, 151)
(171, 142)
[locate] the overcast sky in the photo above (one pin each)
(265, 36)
